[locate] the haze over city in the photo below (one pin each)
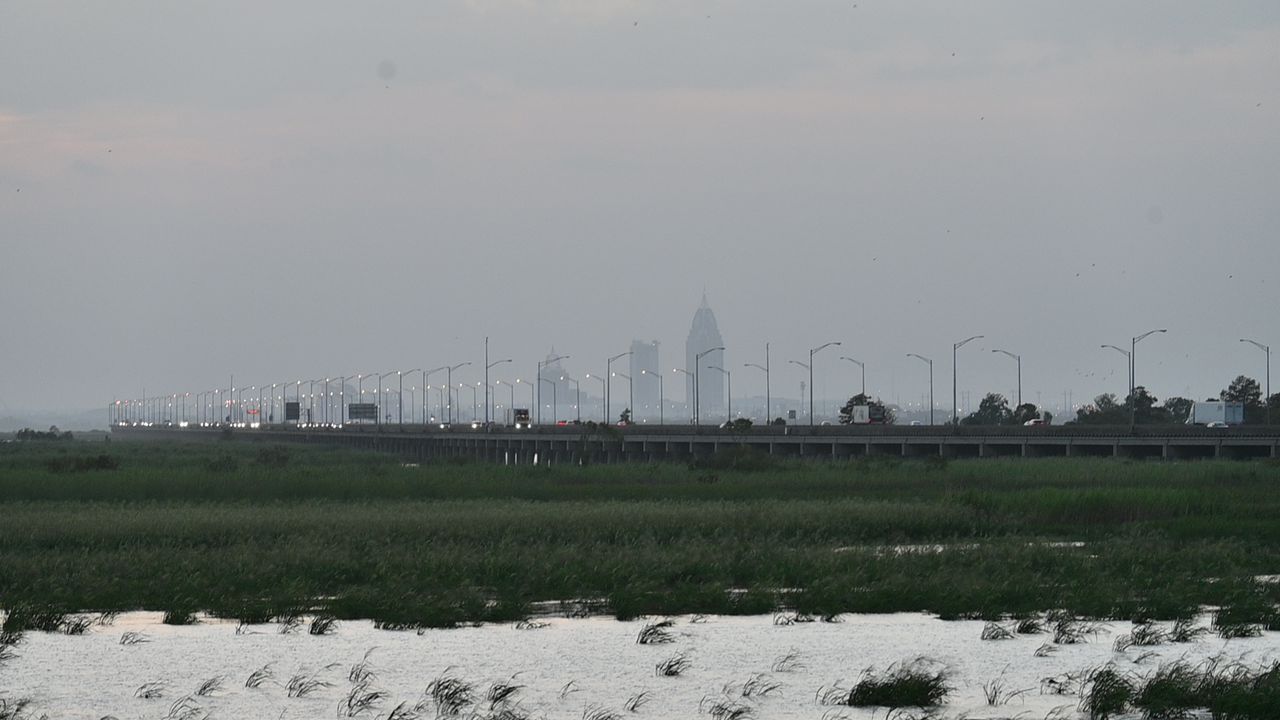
(301, 190)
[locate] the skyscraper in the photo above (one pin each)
(704, 334)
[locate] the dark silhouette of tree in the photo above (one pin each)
(877, 410)
(1178, 408)
(1024, 413)
(1247, 391)
(993, 410)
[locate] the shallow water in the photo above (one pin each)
(93, 675)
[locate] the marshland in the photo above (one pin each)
(156, 556)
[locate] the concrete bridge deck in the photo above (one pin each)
(649, 443)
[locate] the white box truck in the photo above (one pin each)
(1216, 411)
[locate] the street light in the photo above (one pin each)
(577, 388)
(608, 382)
(690, 375)
(555, 403)
(768, 405)
(930, 363)
(697, 389)
(512, 407)
(955, 404)
(1133, 374)
(487, 367)
(631, 409)
(604, 420)
(1019, 359)
(813, 352)
(532, 402)
(1266, 349)
(450, 369)
(729, 394)
(1128, 365)
(400, 400)
(538, 381)
(864, 372)
(661, 400)
(806, 367)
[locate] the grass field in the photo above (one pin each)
(252, 532)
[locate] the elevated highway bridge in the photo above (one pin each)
(682, 443)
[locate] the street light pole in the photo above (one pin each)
(768, 401)
(631, 410)
(697, 387)
(487, 367)
(603, 389)
(661, 401)
(930, 363)
(1266, 349)
(1133, 374)
(1128, 365)
(955, 404)
(449, 390)
(1019, 359)
(864, 372)
(608, 382)
(812, 352)
(690, 375)
(538, 382)
(577, 389)
(728, 379)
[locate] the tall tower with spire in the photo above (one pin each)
(704, 334)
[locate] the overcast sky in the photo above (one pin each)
(297, 189)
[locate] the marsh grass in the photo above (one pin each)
(450, 693)
(1105, 693)
(323, 625)
(996, 631)
(260, 677)
(788, 662)
(658, 633)
(637, 701)
(458, 544)
(502, 693)
(150, 690)
(302, 685)
(210, 686)
(673, 666)
(726, 709)
(918, 683)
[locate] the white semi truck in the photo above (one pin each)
(1217, 413)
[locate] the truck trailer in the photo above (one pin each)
(1216, 411)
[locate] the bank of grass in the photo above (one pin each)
(246, 530)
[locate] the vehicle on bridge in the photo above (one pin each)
(520, 418)
(1216, 413)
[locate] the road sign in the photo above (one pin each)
(362, 411)
(291, 411)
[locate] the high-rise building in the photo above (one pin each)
(704, 334)
(645, 365)
(557, 402)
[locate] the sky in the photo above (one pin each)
(274, 191)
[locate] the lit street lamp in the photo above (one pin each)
(729, 393)
(1019, 359)
(930, 363)
(577, 403)
(604, 413)
(555, 403)
(697, 388)
(1266, 349)
(768, 405)
(400, 400)
(538, 380)
(661, 398)
(631, 410)
(449, 370)
(695, 383)
(955, 403)
(487, 367)
(608, 383)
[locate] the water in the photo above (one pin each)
(93, 675)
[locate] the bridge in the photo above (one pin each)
(683, 443)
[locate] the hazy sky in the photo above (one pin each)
(298, 189)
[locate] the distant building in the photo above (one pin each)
(704, 334)
(560, 402)
(645, 364)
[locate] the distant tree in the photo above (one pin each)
(877, 410)
(738, 425)
(1024, 413)
(1178, 408)
(625, 417)
(993, 410)
(1104, 410)
(1247, 391)
(778, 421)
